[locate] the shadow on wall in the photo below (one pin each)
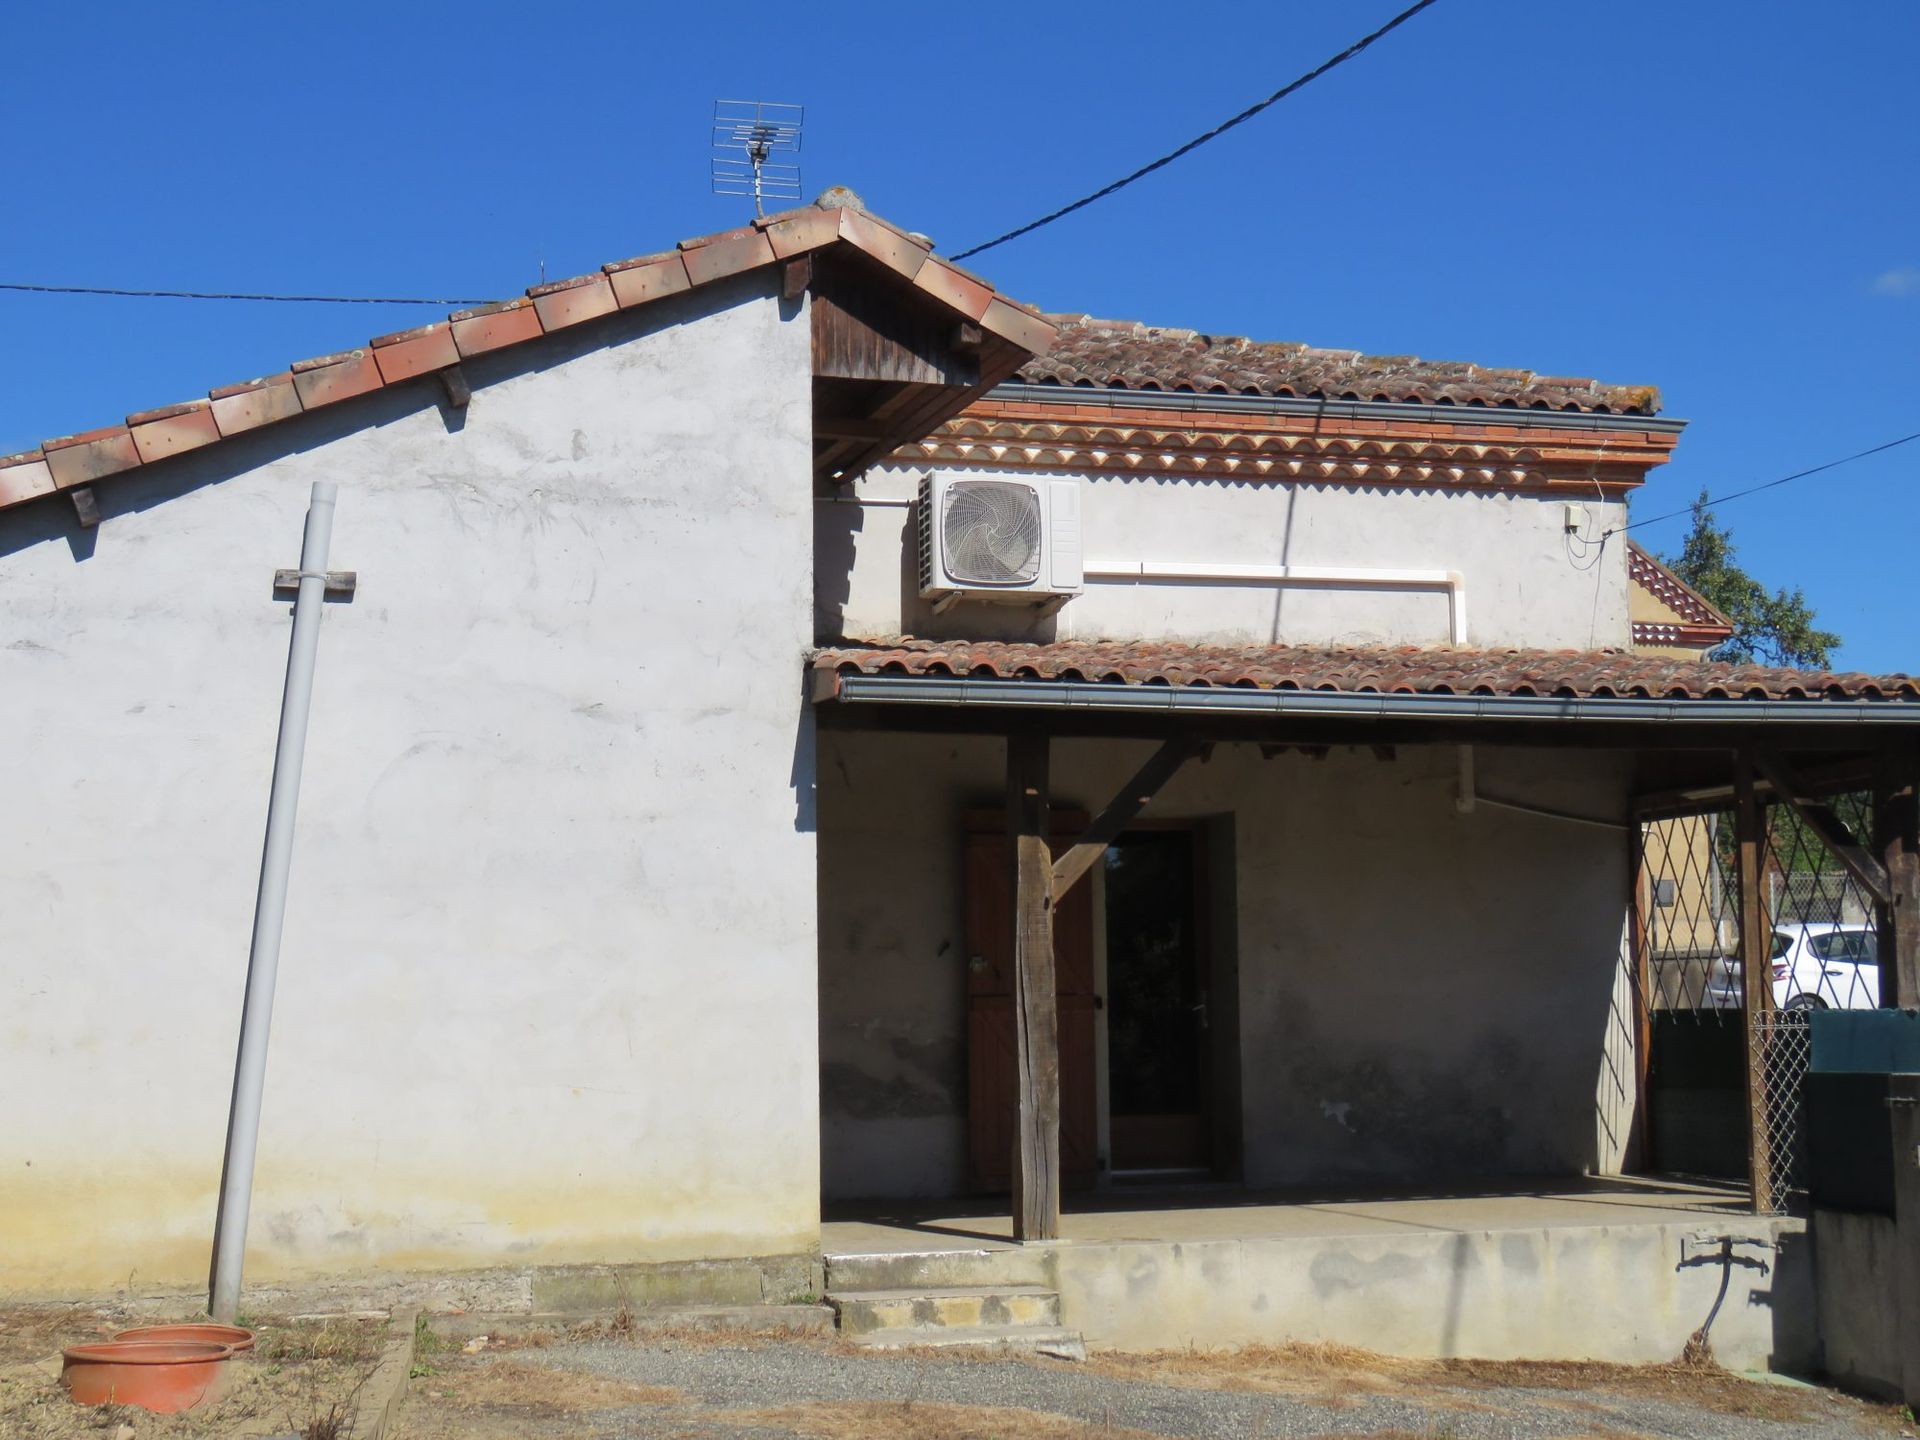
(803, 773)
(1757, 1273)
(153, 484)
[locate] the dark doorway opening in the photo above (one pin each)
(1159, 1044)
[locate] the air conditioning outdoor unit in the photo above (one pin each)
(1002, 540)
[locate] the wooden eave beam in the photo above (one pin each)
(1133, 797)
(1854, 857)
(911, 412)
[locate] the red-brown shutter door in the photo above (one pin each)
(992, 1071)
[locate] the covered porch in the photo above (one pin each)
(1424, 924)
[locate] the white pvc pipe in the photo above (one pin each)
(1451, 581)
(269, 914)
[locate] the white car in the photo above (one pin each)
(1816, 966)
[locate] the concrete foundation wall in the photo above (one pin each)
(1527, 582)
(1628, 1294)
(1860, 1301)
(1423, 995)
(548, 989)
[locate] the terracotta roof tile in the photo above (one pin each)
(393, 359)
(1400, 670)
(1650, 575)
(1126, 355)
(24, 477)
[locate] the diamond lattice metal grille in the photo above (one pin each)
(1822, 954)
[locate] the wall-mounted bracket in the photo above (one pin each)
(340, 584)
(453, 380)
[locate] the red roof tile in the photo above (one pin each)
(1126, 355)
(1395, 670)
(394, 359)
(1673, 592)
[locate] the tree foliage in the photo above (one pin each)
(1770, 627)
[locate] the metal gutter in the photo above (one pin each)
(1336, 409)
(1217, 700)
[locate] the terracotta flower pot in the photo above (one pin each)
(162, 1376)
(205, 1331)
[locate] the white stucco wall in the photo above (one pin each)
(548, 988)
(1527, 582)
(1423, 995)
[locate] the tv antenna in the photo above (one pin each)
(747, 134)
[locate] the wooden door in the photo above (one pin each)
(992, 1065)
(1161, 1048)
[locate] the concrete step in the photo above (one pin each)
(1011, 1339)
(1012, 1265)
(947, 1307)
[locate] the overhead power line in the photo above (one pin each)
(1194, 144)
(282, 299)
(1756, 489)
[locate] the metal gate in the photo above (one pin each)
(1721, 1080)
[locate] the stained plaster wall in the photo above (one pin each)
(1527, 581)
(548, 988)
(1423, 995)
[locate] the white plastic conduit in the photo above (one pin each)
(1451, 581)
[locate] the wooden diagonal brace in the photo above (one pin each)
(1132, 799)
(1855, 858)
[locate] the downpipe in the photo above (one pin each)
(1467, 796)
(269, 914)
(1451, 582)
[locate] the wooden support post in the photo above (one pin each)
(1640, 1142)
(1756, 974)
(1896, 831)
(1036, 1155)
(1036, 1003)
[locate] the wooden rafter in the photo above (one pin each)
(1854, 857)
(1133, 797)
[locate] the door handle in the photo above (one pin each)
(976, 963)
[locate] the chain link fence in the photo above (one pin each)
(1725, 1086)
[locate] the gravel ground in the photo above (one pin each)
(766, 1389)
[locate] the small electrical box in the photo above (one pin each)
(1576, 518)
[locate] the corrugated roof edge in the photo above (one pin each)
(68, 461)
(1385, 669)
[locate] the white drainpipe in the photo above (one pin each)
(1450, 581)
(1467, 794)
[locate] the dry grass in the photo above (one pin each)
(537, 1387)
(910, 1420)
(1335, 1374)
(340, 1342)
(298, 1376)
(30, 1333)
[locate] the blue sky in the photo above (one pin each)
(1721, 197)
